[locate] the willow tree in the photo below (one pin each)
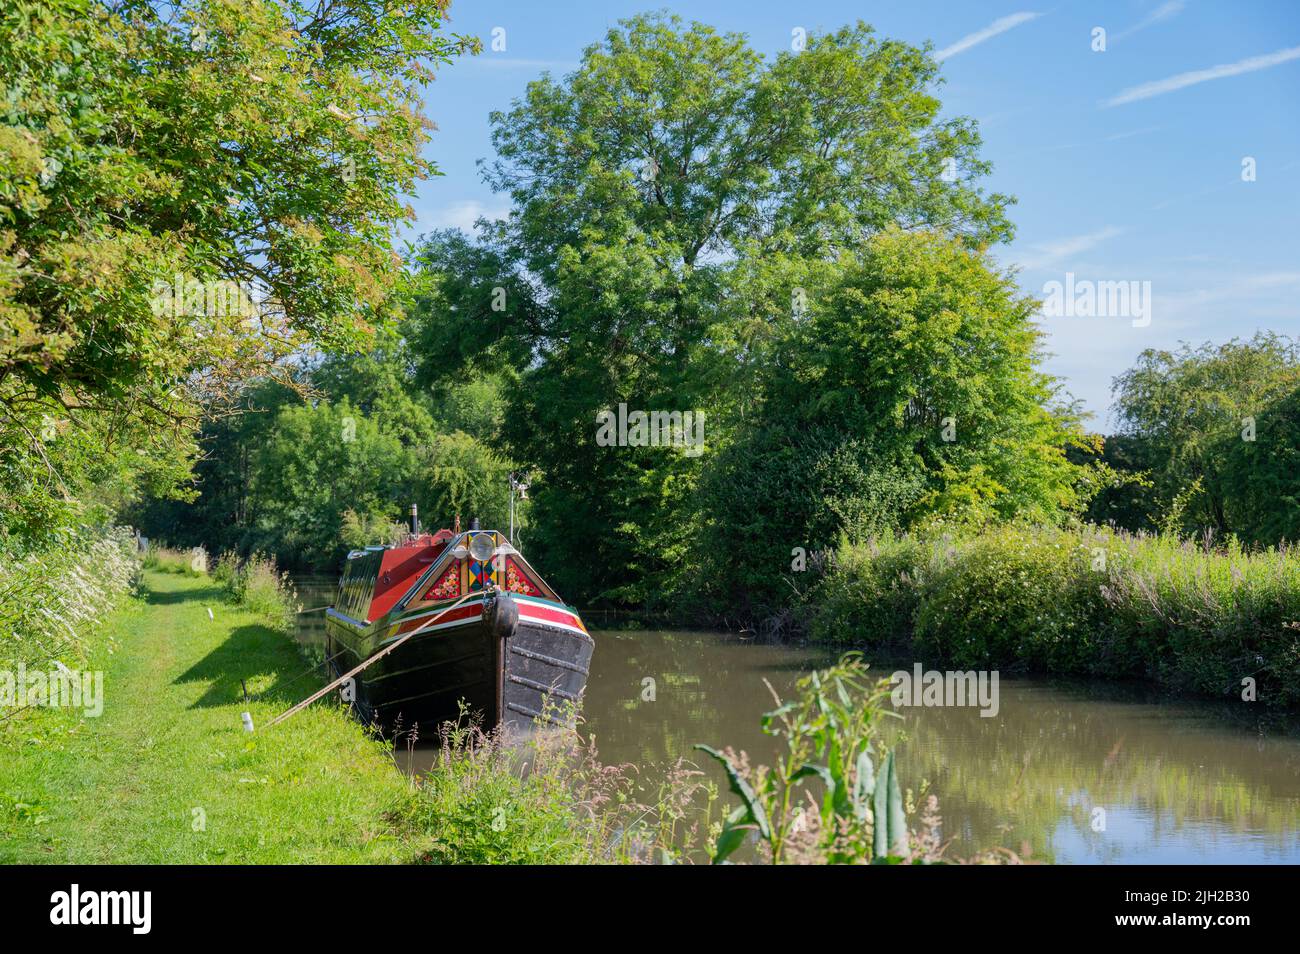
(188, 192)
(1212, 426)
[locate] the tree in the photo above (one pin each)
(646, 185)
(216, 513)
(1263, 475)
(1190, 408)
(908, 391)
(188, 193)
(316, 464)
(324, 473)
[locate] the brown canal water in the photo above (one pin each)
(1177, 781)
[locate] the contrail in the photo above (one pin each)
(1001, 25)
(1160, 87)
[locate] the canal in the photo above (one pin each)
(1176, 781)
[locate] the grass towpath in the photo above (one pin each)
(167, 773)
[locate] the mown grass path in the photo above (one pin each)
(167, 774)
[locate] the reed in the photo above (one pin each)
(1212, 619)
(52, 600)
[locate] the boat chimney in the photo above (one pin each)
(415, 520)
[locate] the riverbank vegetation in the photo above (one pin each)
(1084, 600)
(53, 600)
(259, 586)
(552, 801)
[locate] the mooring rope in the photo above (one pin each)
(375, 658)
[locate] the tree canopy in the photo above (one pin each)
(787, 257)
(697, 228)
(1214, 427)
(189, 193)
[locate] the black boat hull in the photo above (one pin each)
(498, 665)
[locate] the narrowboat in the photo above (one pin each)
(489, 632)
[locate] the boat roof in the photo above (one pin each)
(447, 547)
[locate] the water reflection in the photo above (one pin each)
(1175, 781)
(314, 593)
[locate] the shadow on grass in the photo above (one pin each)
(199, 593)
(251, 654)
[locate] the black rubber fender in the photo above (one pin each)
(505, 616)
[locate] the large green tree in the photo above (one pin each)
(1262, 476)
(646, 185)
(907, 390)
(250, 156)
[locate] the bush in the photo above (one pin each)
(260, 587)
(481, 810)
(227, 569)
(268, 592)
(1080, 601)
(871, 595)
(1014, 597)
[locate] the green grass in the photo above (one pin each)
(188, 562)
(125, 787)
(168, 775)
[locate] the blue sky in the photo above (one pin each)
(1127, 163)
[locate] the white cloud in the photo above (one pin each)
(1132, 132)
(1166, 11)
(1001, 25)
(1160, 87)
(1049, 253)
(463, 215)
